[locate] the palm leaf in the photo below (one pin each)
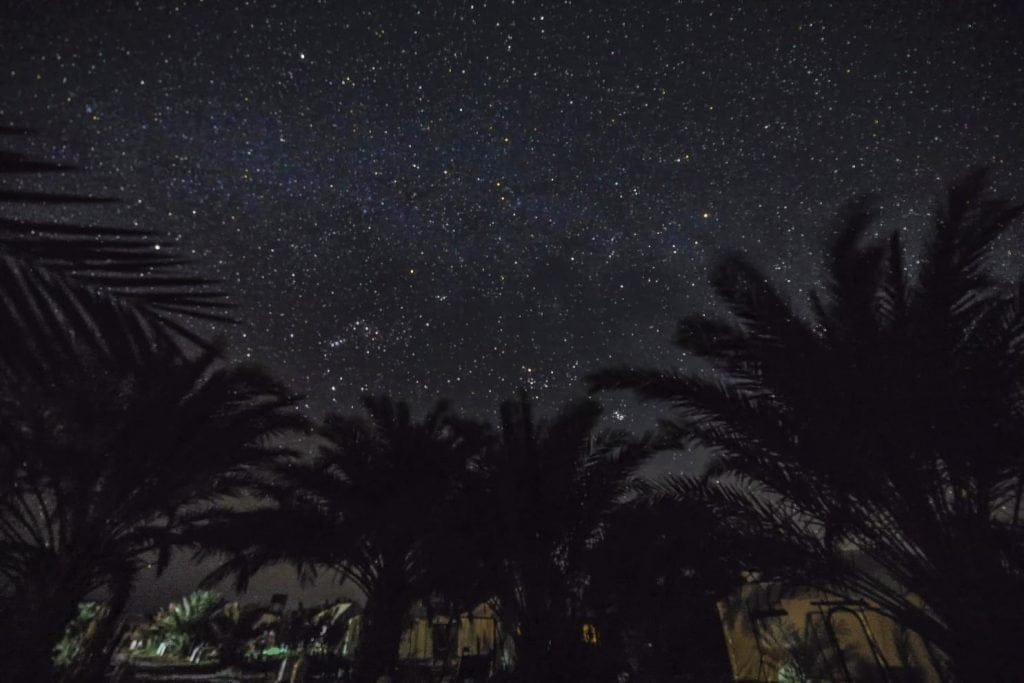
(72, 288)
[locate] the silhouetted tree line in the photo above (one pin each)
(872, 446)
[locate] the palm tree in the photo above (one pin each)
(655, 579)
(876, 443)
(373, 507)
(94, 379)
(545, 492)
(114, 466)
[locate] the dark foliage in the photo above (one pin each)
(374, 507)
(117, 471)
(112, 439)
(876, 444)
(655, 578)
(546, 491)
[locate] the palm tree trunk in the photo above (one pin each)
(383, 623)
(32, 630)
(541, 647)
(1017, 500)
(547, 654)
(531, 657)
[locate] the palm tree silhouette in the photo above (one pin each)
(546, 490)
(114, 471)
(373, 506)
(655, 579)
(69, 289)
(874, 446)
(112, 439)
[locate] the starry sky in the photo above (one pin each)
(460, 198)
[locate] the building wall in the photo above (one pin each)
(776, 636)
(476, 635)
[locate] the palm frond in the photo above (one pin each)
(77, 288)
(880, 446)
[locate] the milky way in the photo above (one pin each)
(462, 198)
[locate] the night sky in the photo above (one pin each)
(460, 198)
